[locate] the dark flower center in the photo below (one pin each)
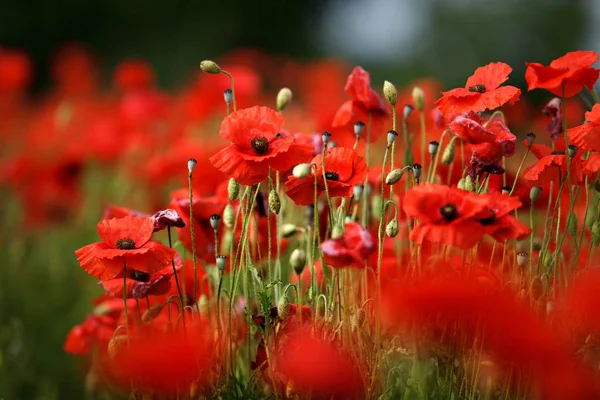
(479, 88)
(139, 275)
(488, 220)
(449, 212)
(332, 176)
(125, 244)
(260, 145)
(558, 153)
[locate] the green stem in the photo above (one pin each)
(193, 238)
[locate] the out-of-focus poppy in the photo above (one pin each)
(352, 249)
(497, 220)
(140, 284)
(587, 135)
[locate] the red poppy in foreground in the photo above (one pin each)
(445, 215)
(344, 169)
(587, 135)
(552, 167)
(497, 220)
(352, 249)
(257, 145)
(125, 241)
(566, 76)
(140, 284)
(482, 92)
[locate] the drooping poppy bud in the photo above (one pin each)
(449, 154)
(298, 260)
(394, 176)
(210, 67)
(392, 228)
(152, 312)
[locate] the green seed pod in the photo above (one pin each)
(572, 224)
(233, 189)
(228, 216)
(449, 154)
(392, 228)
(283, 307)
(274, 202)
(298, 260)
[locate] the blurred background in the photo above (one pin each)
(43, 292)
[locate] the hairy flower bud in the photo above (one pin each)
(233, 189)
(298, 260)
(536, 288)
(449, 154)
(572, 224)
(418, 98)
(228, 216)
(301, 170)
(116, 344)
(469, 184)
(391, 228)
(283, 307)
(274, 202)
(284, 97)
(210, 67)
(394, 176)
(390, 92)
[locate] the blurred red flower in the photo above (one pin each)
(552, 167)
(352, 249)
(497, 220)
(140, 284)
(587, 135)
(566, 76)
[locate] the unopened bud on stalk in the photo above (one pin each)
(210, 67)
(326, 137)
(152, 312)
(390, 92)
(283, 307)
(506, 189)
(418, 98)
(215, 221)
(461, 184)
(191, 165)
(288, 230)
(233, 189)
(535, 193)
(449, 154)
(469, 184)
(221, 263)
(228, 96)
(433, 147)
(530, 138)
(408, 109)
(596, 234)
(274, 202)
(572, 224)
(522, 259)
(394, 176)
(284, 97)
(298, 260)
(391, 137)
(301, 170)
(416, 169)
(391, 228)
(572, 150)
(359, 127)
(228, 216)
(536, 288)
(358, 191)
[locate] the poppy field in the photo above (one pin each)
(325, 236)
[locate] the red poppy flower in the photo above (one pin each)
(257, 144)
(587, 135)
(133, 75)
(489, 142)
(445, 215)
(140, 284)
(185, 276)
(164, 218)
(343, 169)
(96, 330)
(591, 166)
(365, 101)
(124, 241)
(482, 92)
(497, 220)
(552, 167)
(566, 76)
(352, 249)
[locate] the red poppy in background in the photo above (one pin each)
(257, 145)
(587, 135)
(552, 167)
(344, 169)
(497, 219)
(566, 76)
(124, 241)
(365, 102)
(352, 249)
(482, 92)
(15, 70)
(96, 330)
(133, 75)
(140, 284)
(445, 215)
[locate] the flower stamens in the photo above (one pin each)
(125, 244)
(260, 145)
(478, 88)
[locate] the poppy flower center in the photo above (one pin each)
(139, 275)
(332, 176)
(449, 212)
(125, 244)
(558, 153)
(479, 88)
(260, 145)
(488, 220)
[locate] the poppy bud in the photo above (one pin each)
(522, 259)
(391, 137)
(506, 189)
(283, 307)
(390, 92)
(572, 224)
(418, 98)
(596, 234)
(228, 216)
(394, 176)
(192, 164)
(210, 67)
(461, 184)
(233, 189)
(449, 154)
(536, 288)
(535, 193)
(116, 344)
(301, 170)
(337, 231)
(215, 221)
(332, 144)
(530, 138)
(408, 109)
(416, 169)
(358, 191)
(274, 202)
(288, 230)
(589, 220)
(433, 147)
(326, 137)
(284, 97)
(152, 312)
(469, 184)
(298, 260)
(391, 228)
(228, 96)
(359, 127)
(221, 261)
(572, 150)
